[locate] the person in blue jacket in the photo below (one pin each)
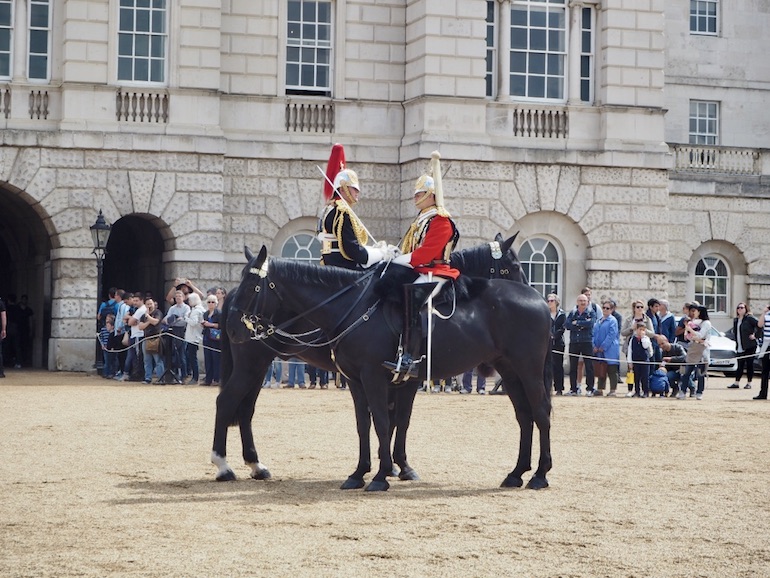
(606, 347)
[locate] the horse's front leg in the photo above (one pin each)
(227, 404)
(377, 396)
(403, 402)
(245, 416)
(363, 424)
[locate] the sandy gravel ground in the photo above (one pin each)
(105, 479)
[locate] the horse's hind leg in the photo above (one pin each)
(515, 391)
(541, 410)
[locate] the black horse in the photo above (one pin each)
(501, 323)
(245, 362)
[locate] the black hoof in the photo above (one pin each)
(377, 486)
(537, 483)
(228, 476)
(394, 473)
(262, 475)
(353, 484)
(408, 475)
(512, 481)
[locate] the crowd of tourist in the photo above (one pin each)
(664, 357)
(140, 341)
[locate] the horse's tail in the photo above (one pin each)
(548, 372)
(226, 357)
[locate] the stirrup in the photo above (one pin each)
(403, 369)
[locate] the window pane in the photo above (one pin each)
(537, 86)
(292, 75)
(141, 45)
(124, 69)
(38, 41)
(537, 40)
(141, 69)
(518, 62)
(293, 13)
(142, 20)
(518, 85)
(157, 71)
(537, 63)
(5, 14)
(38, 67)
(38, 16)
(158, 44)
(126, 20)
(5, 39)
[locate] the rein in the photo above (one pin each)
(260, 333)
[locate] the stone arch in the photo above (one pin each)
(27, 239)
(134, 258)
(570, 241)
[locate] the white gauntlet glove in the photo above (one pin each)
(376, 254)
(391, 252)
(404, 260)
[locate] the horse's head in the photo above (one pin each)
(244, 299)
(506, 261)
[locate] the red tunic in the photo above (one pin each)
(432, 248)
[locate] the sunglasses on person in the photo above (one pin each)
(606, 308)
(638, 306)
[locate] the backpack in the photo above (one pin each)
(108, 309)
(658, 381)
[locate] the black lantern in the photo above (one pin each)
(100, 233)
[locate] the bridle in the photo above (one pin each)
(261, 326)
(497, 270)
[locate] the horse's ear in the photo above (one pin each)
(248, 253)
(509, 242)
(261, 257)
(499, 238)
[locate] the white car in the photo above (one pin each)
(723, 355)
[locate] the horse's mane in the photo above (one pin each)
(312, 274)
(474, 258)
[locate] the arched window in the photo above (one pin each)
(302, 247)
(712, 279)
(540, 261)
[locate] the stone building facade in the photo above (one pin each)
(621, 139)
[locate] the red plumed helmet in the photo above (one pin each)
(336, 164)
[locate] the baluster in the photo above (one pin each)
(45, 104)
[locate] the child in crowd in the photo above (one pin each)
(639, 354)
(110, 357)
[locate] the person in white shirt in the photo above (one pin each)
(193, 335)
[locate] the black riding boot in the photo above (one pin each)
(408, 355)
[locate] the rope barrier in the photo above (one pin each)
(683, 363)
(142, 339)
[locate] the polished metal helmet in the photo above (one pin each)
(346, 178)
(425, 184)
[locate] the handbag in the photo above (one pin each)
(600, 369)
(152, 345)
(215, 334)
(630, 377)
(126, 340)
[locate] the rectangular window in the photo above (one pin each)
(39, 39)
(491, 51)
(538, 55)
(704, 122)
(586, 55)
(6, 37)
(703, 17)
(142, 40)
(308, 47)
